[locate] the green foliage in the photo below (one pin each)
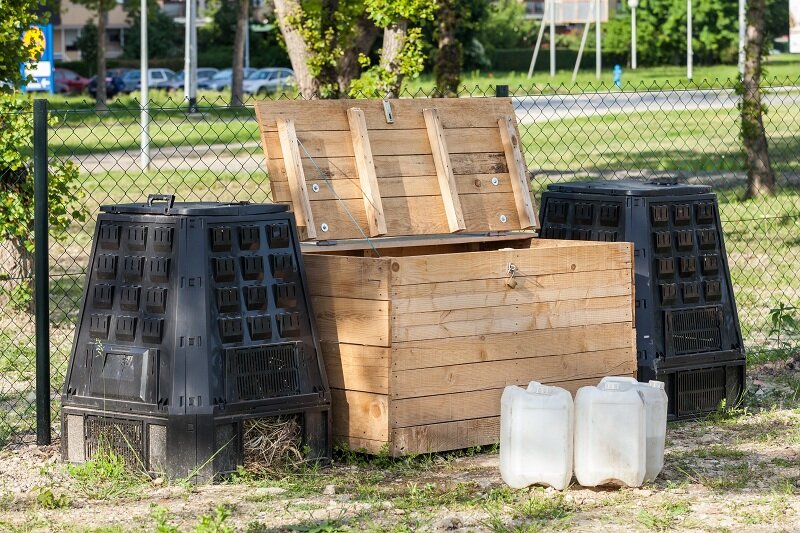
(215, 522)
(505, 26)
(15, 17)
(385, 12)
(164, 36)
(783, 322)
(47, 499)
(87, 44)
(409, 64)
(16, 187)
(106, 475)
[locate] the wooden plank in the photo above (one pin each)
(352, 320)
(355, 277)
(498, 374)
(323, 144)
(425, 244)
(397, 186)
(365, 168)
(513, 345)
(494, 292)
(519, 173)
(356, 367)
(288, 146)
(330, 115)
(360, 414)
(419, 215)
(571, 256)
(333, 168)
(463, 405)
(506, 319)
(357, 444)
(444, 171)
(447, 436)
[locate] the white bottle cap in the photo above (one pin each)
(656, 384)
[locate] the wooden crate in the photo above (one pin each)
(421, 328)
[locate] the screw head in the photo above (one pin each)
(503, 219)
(315, 187)
(323, 227)
(495, 182)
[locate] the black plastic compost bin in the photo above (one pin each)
(687, 327)
(195, 319)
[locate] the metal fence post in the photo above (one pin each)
(501, 91)
(41, 271)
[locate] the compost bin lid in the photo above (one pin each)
(162, 204)
(631, 188)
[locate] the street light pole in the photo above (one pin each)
(689, 54)
(598, 54)
(144, 159)
(190, 57)
(742, 23)
(633, 4)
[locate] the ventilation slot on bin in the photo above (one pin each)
(121, 437)
(109, 237)
(278, 235)
(700, 390)
(694, 330)
(263, 372)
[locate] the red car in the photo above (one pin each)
(69, 82)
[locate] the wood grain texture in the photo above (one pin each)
(444, 171)
(289, 148)
(352, 320)
(498, 374)
(365, 168)
(446, 436)
(572, 257)
(363, 415)
(495, 292)
(512, 345)
(355, 277)
(330, 115)
(357, 367)
(463, 405)
(518, 170)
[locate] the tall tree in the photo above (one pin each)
(101, 8)
(760, 176)
(450, 55)
(237, 77)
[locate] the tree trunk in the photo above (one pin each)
(296, 47)
(101, 99)
(237, 78)
(760, 177)
(348, 66)
(394, 38)
(450, 56)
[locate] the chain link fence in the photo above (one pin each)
(689, 132)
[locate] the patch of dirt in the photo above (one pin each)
(738, 471)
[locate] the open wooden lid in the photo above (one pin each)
(352, 169)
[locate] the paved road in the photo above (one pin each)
(542, 108)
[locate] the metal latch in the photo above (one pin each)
(387, 110)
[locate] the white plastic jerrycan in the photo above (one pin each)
(536, 436)
(655, 407)
(610, 435)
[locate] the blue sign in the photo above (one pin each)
(44, 72)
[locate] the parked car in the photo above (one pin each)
(69, 82)
(160, 78)
(222, 79)
(203, 75)
(132, 80)
(269, 80)
(114, 86)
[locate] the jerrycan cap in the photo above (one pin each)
(656, 384)
(534, 387)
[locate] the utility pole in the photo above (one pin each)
(742, 27)
(598, 54)
(689, 54)
(190, 57)
(144, 158)
(633, 4)
(552, 38)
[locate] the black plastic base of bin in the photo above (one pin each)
(196, 448)
(700, 384)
